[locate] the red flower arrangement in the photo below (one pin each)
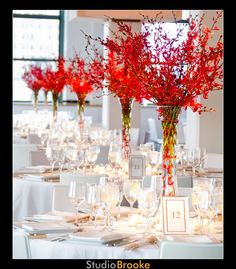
(82, 78)
(34, 79)
(54, 81)
(170, 74)
(120, 81)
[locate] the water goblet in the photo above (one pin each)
(131, 190)
(148, 205)
(76, 194)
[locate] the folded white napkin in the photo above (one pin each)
(40, 168)
(100, 237)
(213, 170)
(42, 177)
(48, 227)
(190, 238)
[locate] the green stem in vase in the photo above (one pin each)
(36, 93)
(54, 101)
(46, 99)
(126, 106)
(169, 126)
(80, 112)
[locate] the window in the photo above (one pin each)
(37, 38)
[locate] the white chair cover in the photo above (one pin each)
(21, 246)
(66, 178)
(33, 139)
(103, 155)
(214, 160)
(38, 158)
(21, 155)
(134, 137)
(60, 200)
(153, 131)
(182, 250)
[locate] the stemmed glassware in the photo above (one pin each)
(76, 195)
(121, 196)
(44, 137)
(204, 201)
(93, 199)
(131, 190)
(154, 158)
(51, 153)
(92, 155)
(114, 155)
(148, 205)
(109, 197)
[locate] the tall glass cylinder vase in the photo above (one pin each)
(36, 93)
(169, 119)
(126, 106)
(80, 113)
(54, 105)
(46, 99)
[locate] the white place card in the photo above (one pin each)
(137, 166)
(175, 213)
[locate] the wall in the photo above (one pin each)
(211, 124)
(206, 130)
(111, 107)
(75, 42)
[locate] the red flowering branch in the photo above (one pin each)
(54, 81)
(33, 77)
(34, 80)
(169, 72)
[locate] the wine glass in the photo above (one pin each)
(110, 198)
(92, 155)
(76, 194)
(121, 196)
(114, 155)
(51, 155)
(153, 158)
(131, 190)
(93, 199)
(148, 205)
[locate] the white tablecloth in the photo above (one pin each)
(31, 197)
(43, 249)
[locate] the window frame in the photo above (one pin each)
(61, 18)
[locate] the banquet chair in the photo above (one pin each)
(180, 133)
(21, 245)
(66, 178)
(213, 160)
(153, 131)
(134, 137)
(38, 158)
(183, 250)
(33, 139)
(103, 155)
(183, 181)
(60, 200)
(21, 155)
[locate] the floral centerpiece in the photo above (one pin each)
(119, 80)
(33, 78)
(171, 74)
(80, 77)
(54, 81)
(121, 83)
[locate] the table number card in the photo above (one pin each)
(175, 212)
(137, 166)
